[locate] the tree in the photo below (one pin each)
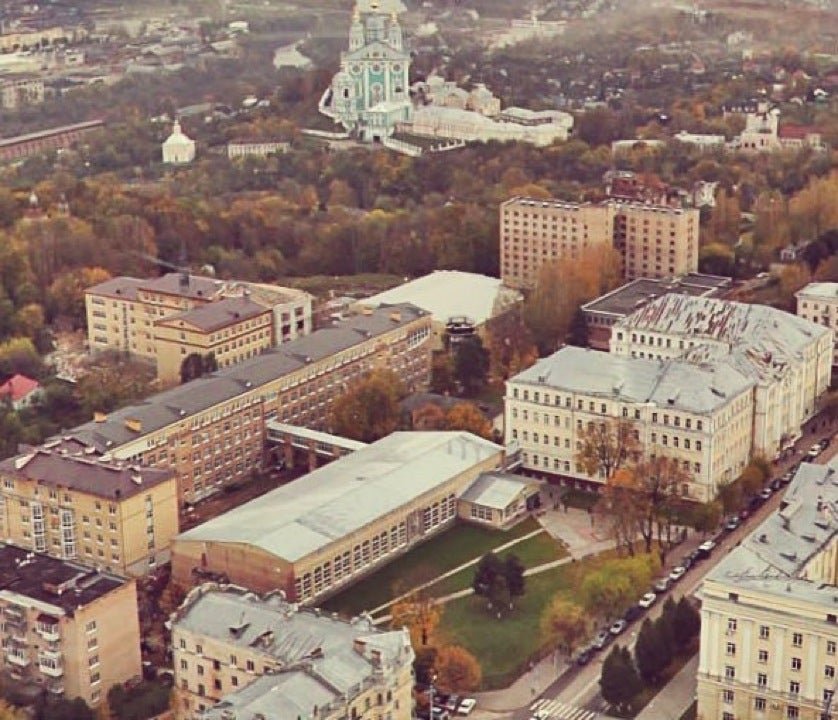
(428, 417)
(467, 416)
(510, 344)
(650, 652)
(471, 364)
(730, 497)
(605, 447)
(8, 711)
(369, 409)
(457, 669)
(707, 516)
(564, 623)
(619, 682)
(423, 665)
(63, 709)
(607, 592)
(657, 483)
(687, 622)
(442, 373)
(420, 614)
(489, 568)
(513, 573)
(66, 292)
(752, 479)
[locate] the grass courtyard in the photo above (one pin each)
(423, 563)
(505, 647)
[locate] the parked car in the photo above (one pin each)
(584, 656)
(744, 514)
(732, 524)
(661, 586)
(825, 444)
(601, 640)
(695, 556)
(466, 706)
(617, 627)
(647, 600)
(776, 484)
(634, 612)
(765, 493)
(814, 451)
(540, 715)
(756, 501)
(677, 573)
(706, 548)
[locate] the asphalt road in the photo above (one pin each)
(579, 686)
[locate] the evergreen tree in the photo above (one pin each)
(471, 364)
(619, 682)
(648, 654)
(513, 570)
(488, 569)
(687, 623)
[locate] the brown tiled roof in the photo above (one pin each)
(217, 315)
(118, 287)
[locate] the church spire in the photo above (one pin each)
(356, 30)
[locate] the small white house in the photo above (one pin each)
(178, 148)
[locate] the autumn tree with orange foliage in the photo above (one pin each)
(420, 614)
(467, 416)
(457, 670)
(565, 284)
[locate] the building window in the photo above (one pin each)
(794, 687)
(730, 672)
(727, 697)
(731, 625)
(764, 632)
(792, 712)
(829, 671)
(762, 680)
(797, 640)
(796, 664)
(830, 647)
(731, 649)
(763, 656)
(759, 704)
(728, 716)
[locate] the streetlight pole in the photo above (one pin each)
(431, 697)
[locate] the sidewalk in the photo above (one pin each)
(675, 697)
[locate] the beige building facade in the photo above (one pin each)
(818, 303)
(769, 635)
(103, 513)
(211, 431)
(698, 416)
(788, 358)
(68, 630)
(322, 532)
(176, 314)
(18, 91)
(653, 241)
(533, 232)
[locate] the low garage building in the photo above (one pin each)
(499, 499)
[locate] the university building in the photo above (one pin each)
(788, 358)
(769, 625)
(818, 303)
(700, 416)
(68, 630)
(166, 319)
(654, 241)
(102, 512)
(211, 431)
(329, 528)
(241, 655)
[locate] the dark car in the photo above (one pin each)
(694, 557)
(584, 656)
(776, 484)
(634, 612)
(756, 501)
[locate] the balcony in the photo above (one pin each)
(17, 659)
(50, 669)
(13, 613)
(48, 631)
(56, 688)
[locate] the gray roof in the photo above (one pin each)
(119, 287)
(820, 291)
(667, 383)
(326, 505)
(320, 658)
(171, 406)
(637, 293)
(217, 315)
(92, 475)
(775, 556)
(184, 285)
(496, 490)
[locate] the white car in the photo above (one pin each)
(540, 715)
(466, 706)
(677, 573)
(647, 600)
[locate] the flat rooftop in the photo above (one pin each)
(63, 584)
(820, 291)
(633, 295)
(311, 513)
(450, 293)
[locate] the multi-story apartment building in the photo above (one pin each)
(654, 241)
(533, 232)
(700, 416)
(67, 629)
(19, 90)
(789, 358)
(818, 303)
(331, 527)
(211, 431)
(769, 624)
(177, 314)
(240, 655)
(102, 512)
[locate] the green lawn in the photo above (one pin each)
(423, 563)
(505, 647)
(537, 550)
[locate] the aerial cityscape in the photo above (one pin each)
(419, 360)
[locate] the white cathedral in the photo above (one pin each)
(369, 96)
